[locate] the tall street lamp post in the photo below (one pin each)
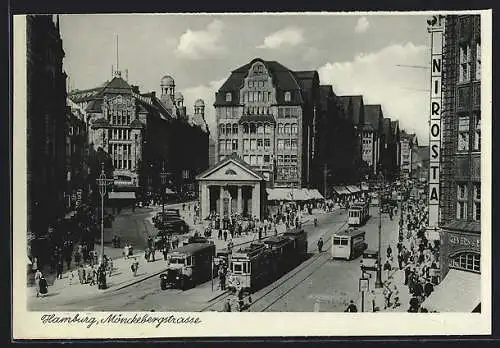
(163, 177)
(103, 184)
(378, 281)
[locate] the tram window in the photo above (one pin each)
(237, 267)
(336, 241)
(245, 266)
(188, 261)
(343, 242)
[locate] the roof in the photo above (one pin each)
(283, 78)
(325, 92)
(387, 128)
(290, 194)
(344, 101)
(94, 96)
(193, 247)
(231, 158)
(349, 232)
(353, 188)
(395, 127)
(100, 122)
(372, 115)
(257, 118)
(356, 102)
(466, 226)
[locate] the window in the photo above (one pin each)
(246, 144)
(228, 128)
(245, 128)
(462, 201)
(477, 202)
(253, 129)
(463, 141)
(478, 61)
(228, 96)
(228, 112)
(260, 129)
(253, 160)
(235, 144)
(288, 96)
(287, 144)
(260, 160)
(280, 128)
(228, 145)
(266, 158)
(267, 144)
(235, 128)
(280, 144)
(465, 62)
(467, 261)
(294, 128)
(253, 144)
(267, 129)
(477, 133)
(246, 158)
(294, 144)
(293, 159)
(222, 129)
(287, 128)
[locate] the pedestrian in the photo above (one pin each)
(38, 276)
(42, 286)
(222, 278)
(227, 305)
(320, 244)
(351, 308)
(81, 274)
(389, 251)
(134, 267)
(241, 302)
(110, 267)
(225, 235)
(78, 258)
(60, 266)
(71, 278)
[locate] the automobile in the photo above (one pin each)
(369, 262)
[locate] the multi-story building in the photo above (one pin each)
(408, 142)
(46, 124)
(420, 163)
(266, 114)
(460, 175)
(212, 144)
(143, 134)
(397, 139)
(76, 158)
(373, 138)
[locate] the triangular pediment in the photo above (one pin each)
(230, 170)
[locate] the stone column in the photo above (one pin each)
(239, 202)
(205, 200)
(230, 208)
(221, 201)
(256, 200)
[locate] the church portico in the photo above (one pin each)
(231, 187)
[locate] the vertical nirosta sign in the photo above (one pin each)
(436, 31)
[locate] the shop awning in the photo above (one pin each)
(287, 194)
(122, 195)
(459, 291)
(353, 189)
(341, 190)
(315, 194)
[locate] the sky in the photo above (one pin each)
(382, 57)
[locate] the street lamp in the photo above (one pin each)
(103, 183)
(163, 177)
(378, 281)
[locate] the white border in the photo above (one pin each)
(27, 324)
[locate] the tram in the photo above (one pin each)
(358, 214)
(261, 263)
(348, 244)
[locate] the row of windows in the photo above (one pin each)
(462, 192)
(228, 145)
(257, 96)
(464, 134)
(257, 160)
(253, 128)
(288, 128)
(257, 83)
(288, 112)
(74, 130)
(258, 110)
(462, 198)
(120, 134)
(121, 118)
(228, 112)
(286, 159)
(287, 173)
(465, 60)
(121, 154)
(286, 144)
(228, 129)
(256, 144)
(367, 142)
(467, 261)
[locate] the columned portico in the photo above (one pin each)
(231, 187)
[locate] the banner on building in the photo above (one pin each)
(436, 31)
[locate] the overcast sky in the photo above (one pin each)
(356, 54)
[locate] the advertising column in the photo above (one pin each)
(436, 31)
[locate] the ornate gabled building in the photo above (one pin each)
(373, 138)
(143, 134)
(408, 142)
(266, 114)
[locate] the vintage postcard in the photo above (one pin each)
(314, 174)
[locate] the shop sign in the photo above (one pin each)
(464, 241)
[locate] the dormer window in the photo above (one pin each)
(288, 96)
(228, 97)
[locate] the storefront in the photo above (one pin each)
(231, 187)
(460, 287)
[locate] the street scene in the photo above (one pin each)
(166, 172)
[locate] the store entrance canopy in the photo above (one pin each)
(460, 291)
(341, 190)
(353, 189)
(122, 195)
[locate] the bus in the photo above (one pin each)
(348, 244)
(189, 265)
(358, 214)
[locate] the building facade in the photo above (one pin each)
(373, 137)
(266, 114)
(46, 124)
(408, 142)
(460, 176)
(143, 134)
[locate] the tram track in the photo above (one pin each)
(285, 279)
